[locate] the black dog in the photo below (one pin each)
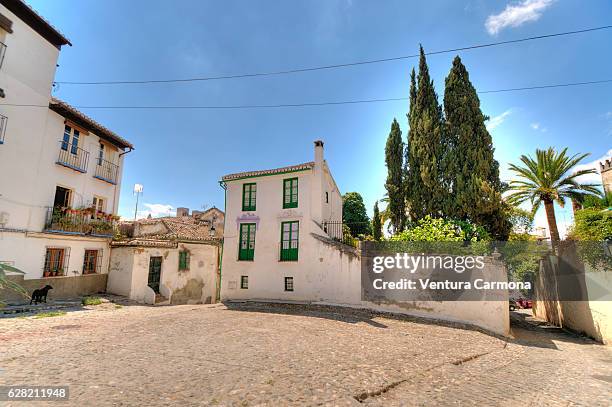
(40, 295)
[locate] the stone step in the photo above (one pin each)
(160, 299)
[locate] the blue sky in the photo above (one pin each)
(181, 154)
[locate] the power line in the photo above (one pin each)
(323, 67)
(327, 103)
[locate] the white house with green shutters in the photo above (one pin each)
(275, 220)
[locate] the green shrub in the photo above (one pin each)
(49, 314)
(431, 229)
(91, 301)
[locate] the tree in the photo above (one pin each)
(469, 169)
(394, 158)
(425, 192)
(354, 214)
(545, 180)
(376, 223)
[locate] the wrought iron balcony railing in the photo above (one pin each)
(3, 122)
(106, 171)
(79, 221)
(347, 233)
(72, 156)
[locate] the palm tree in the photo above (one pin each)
(546, 180)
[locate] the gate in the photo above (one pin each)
(154, 273)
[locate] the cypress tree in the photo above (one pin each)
(472, 173)
(376, 223)
(424, 184)
(394, 157)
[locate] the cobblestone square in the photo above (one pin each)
(257, 354)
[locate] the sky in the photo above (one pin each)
(180, 155)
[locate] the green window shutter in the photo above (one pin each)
(246, 245)
(290, 232)
(290, 193)
(249, 196)
(183, 260)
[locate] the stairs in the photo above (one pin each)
(161, 300)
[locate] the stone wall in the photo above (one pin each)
(591, 316)
(63, 287)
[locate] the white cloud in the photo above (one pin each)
(156, 211)
(498, 120)
(516, 14)
(538, 127)
(593, 178)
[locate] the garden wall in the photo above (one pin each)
(592, 316)
(340, 284)
(63, 287)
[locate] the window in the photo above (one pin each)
(289, 241)
(288, 283)
(183, 260)
(246, 249)
(62, 197)
(101, 154)
(74, 146)
(99, 203)
(92, 261)
(290, 193)
(327, 197)
(244, 282)
(56, 260)
(249, 196)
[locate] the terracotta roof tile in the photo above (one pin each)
(82, 119)
(249, 174)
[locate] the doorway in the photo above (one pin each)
(155, 273)
(62, 197)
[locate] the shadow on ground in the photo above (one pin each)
(530, 331)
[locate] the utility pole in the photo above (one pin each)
(137, 191)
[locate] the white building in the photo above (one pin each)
(174, 259)
(273, 219)
(60, 170)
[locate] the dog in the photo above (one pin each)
(40, 295)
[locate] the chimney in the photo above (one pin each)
(182, 212)
(318, 151)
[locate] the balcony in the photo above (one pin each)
(84, 221)
(3, 122)
(106, 171)
(73, 157)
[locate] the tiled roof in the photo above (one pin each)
(144, 242)
(183, 228)
(37, 22)
(88, 123)
(250, 174)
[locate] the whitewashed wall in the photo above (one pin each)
(27, 251)
(129, 272)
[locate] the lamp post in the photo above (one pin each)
(137, 191)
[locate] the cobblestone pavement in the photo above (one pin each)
(254, 354)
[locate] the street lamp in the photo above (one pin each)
(137, 191)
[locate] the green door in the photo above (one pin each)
(154, 273)
(246, 249)
(290, 232)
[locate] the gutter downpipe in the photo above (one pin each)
(223, 185)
